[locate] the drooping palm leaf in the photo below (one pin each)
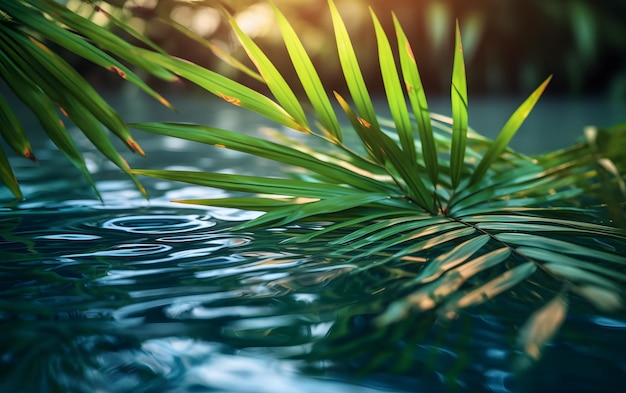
(43, 80)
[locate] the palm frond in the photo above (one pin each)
(44, 81)
(464, 218)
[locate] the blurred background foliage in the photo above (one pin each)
(509, 45)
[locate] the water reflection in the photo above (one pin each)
(158, 298)
(122, 304)
(151, 296)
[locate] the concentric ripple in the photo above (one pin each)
(158, 224)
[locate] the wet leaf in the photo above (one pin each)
(425, 298)
(8, 177)
(263, 148)
(566, 263)
(556, 245)
(577, 275)
(293, 213)
(222, 86)
(13, 132)
(252, 184)
(385, 150)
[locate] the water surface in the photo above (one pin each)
(151, 296)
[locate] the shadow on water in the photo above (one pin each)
(138, 296)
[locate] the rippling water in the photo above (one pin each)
(150, 296)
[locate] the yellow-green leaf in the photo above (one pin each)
(394, 92)
(417, 97)
(352, 72)
(309, 77)
(273, 78)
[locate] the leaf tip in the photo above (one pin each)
(135, 146)
(28, 153)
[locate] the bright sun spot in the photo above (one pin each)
(203, 22)
(257, 20)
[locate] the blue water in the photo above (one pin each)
(152, 296)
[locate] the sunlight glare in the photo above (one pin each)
(205, 22)
(257, 20)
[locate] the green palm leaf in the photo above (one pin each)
(309, 78)
(385, 150)
(541, 327)
(297, 212)
(394, 92)
(12, 131)
(7, 176)
(508, 131)
(454, 235)
(252, 184)
(459, 112)
(272, 77)
(44, 81)
(227, 89)
(103, 38)
(490, 289)
(266, 149)
(352, 72)
(64, 38)
(417, 97)
(215, 49)
(458, 236)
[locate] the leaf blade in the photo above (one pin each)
(309, 77)
(508, 131)
(459, 112)
(229, 90)
(394, 92)
(417, 98)
(351, 70)
(274, 80)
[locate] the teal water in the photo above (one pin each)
(152, 296)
